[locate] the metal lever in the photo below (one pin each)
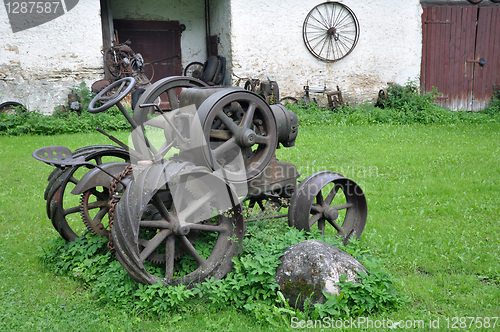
(481, 61)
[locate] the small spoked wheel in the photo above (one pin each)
(173, 234)
(194, 69)
(330, 31)
(112, 94)
(331, 203)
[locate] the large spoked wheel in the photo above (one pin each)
(151, 126)
(240, 133)
(65, 209)
(112, 94)
(330, 31)
(162, 235)
(331, 203)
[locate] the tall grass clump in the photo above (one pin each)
(63, 121)
(405, 104)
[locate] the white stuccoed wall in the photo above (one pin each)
(39, 66)
(267, 42)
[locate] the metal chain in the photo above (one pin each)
(113, 200)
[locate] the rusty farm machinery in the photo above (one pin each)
(173, 200)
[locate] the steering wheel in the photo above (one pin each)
(125, 85)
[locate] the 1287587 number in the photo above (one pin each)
(471, 322)
(32, 7)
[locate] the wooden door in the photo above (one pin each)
(159, 43)
(461, 54)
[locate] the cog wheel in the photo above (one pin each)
(96, 222)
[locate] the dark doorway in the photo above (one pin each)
(461, 54)
(159, 43)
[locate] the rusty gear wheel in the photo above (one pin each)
(92, 199)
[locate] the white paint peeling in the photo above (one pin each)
(38, 66)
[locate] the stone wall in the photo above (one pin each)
(40, 65)
(267, 42)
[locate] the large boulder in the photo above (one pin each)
(313, 266)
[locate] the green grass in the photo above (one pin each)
(433, 195)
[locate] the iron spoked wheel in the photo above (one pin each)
(289, 100)
(240, 132)
(331, 203)
(12, 107)
(194, 69)
(151, 127)
(64, 209)
(330, 31)
(167, 239)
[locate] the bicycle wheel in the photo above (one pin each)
(330, 31)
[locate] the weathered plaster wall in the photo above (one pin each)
(188, 12)
(220, 25)
(39, 66)
(267, 42)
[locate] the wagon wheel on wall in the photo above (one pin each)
(331, 203)
(63, 208)
(137, 236)
(330, 31)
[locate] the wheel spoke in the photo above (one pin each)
(98, 160)
(172, 99)
(75, 209)
(192, 250)
(208, 228)
(100, 214)
(317, 208)
(259, 139)
(233, 127)
(331, 195)
(336, 226)
(343, 206)
(96, 204)
(152, 244)
(162, 209)
(314, 219)
(321, 226)
(162, 224)
(319, 198)
(169, 257)
(248, 117)
(220, 134)
(224, 147)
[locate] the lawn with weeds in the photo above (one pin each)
(431, 245)
(433, 199)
